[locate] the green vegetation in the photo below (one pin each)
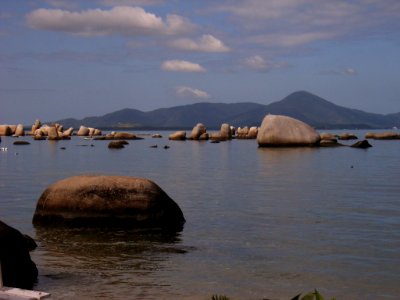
(310, 296)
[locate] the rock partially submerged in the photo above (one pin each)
(383, 135)
(178, 136)
(283, 131)
(361, 144)
(16, 265)
(107, 201)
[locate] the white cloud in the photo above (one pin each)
(122, 20)
(290, 40)
(256, 62)
(349, 71)
(206, 43)
(181, 66)
(131, 2)
(188, 92)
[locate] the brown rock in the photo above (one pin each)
(178, 136)
(125, 136)
(347, 136)
(382, 135)
(5, 130)
(83, 131)
(96, 200)
(197, 131)
(20, 130)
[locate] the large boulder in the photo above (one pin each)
(83, 131)
(178, 136)
(53, 134)
(197, 131)
(281, 131)
(225, 132)
(68, 132)
(20, 130)
(16, 265)
(98, 200)
(5, 130)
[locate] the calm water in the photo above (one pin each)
(261, 223)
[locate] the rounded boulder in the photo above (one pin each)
(283, 131)
(107, 201)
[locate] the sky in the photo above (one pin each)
(78, 58)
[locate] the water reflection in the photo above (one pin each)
(109, 260)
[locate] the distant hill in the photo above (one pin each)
(301, 105)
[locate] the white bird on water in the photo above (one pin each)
(4, 149)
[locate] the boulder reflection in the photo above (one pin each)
(90, 258)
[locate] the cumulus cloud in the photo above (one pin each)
(188, 92)
(122, 20)
(256, 62)
(181, 66)
(206, 43)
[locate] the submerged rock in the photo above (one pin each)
(283, 131)
(362, 144)
(117, 144)
(178, 136)
(98, 200)
(16, 265)
(382, 135)
(21, 143)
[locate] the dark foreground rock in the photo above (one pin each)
(107, 201)
(16, 265)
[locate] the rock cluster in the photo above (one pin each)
(247, 133)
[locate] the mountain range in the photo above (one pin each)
(301, 105)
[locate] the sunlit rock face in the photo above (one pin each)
(283, 131)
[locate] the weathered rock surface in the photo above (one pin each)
(96, 200)
(178, 136)
(16, 265)
(282, 131)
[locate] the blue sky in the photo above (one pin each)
(74, 58)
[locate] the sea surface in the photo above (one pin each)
(261, 223)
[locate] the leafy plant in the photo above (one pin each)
(310, 296)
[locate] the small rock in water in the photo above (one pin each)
(153, 146)
(166, 147)
(62, 148)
